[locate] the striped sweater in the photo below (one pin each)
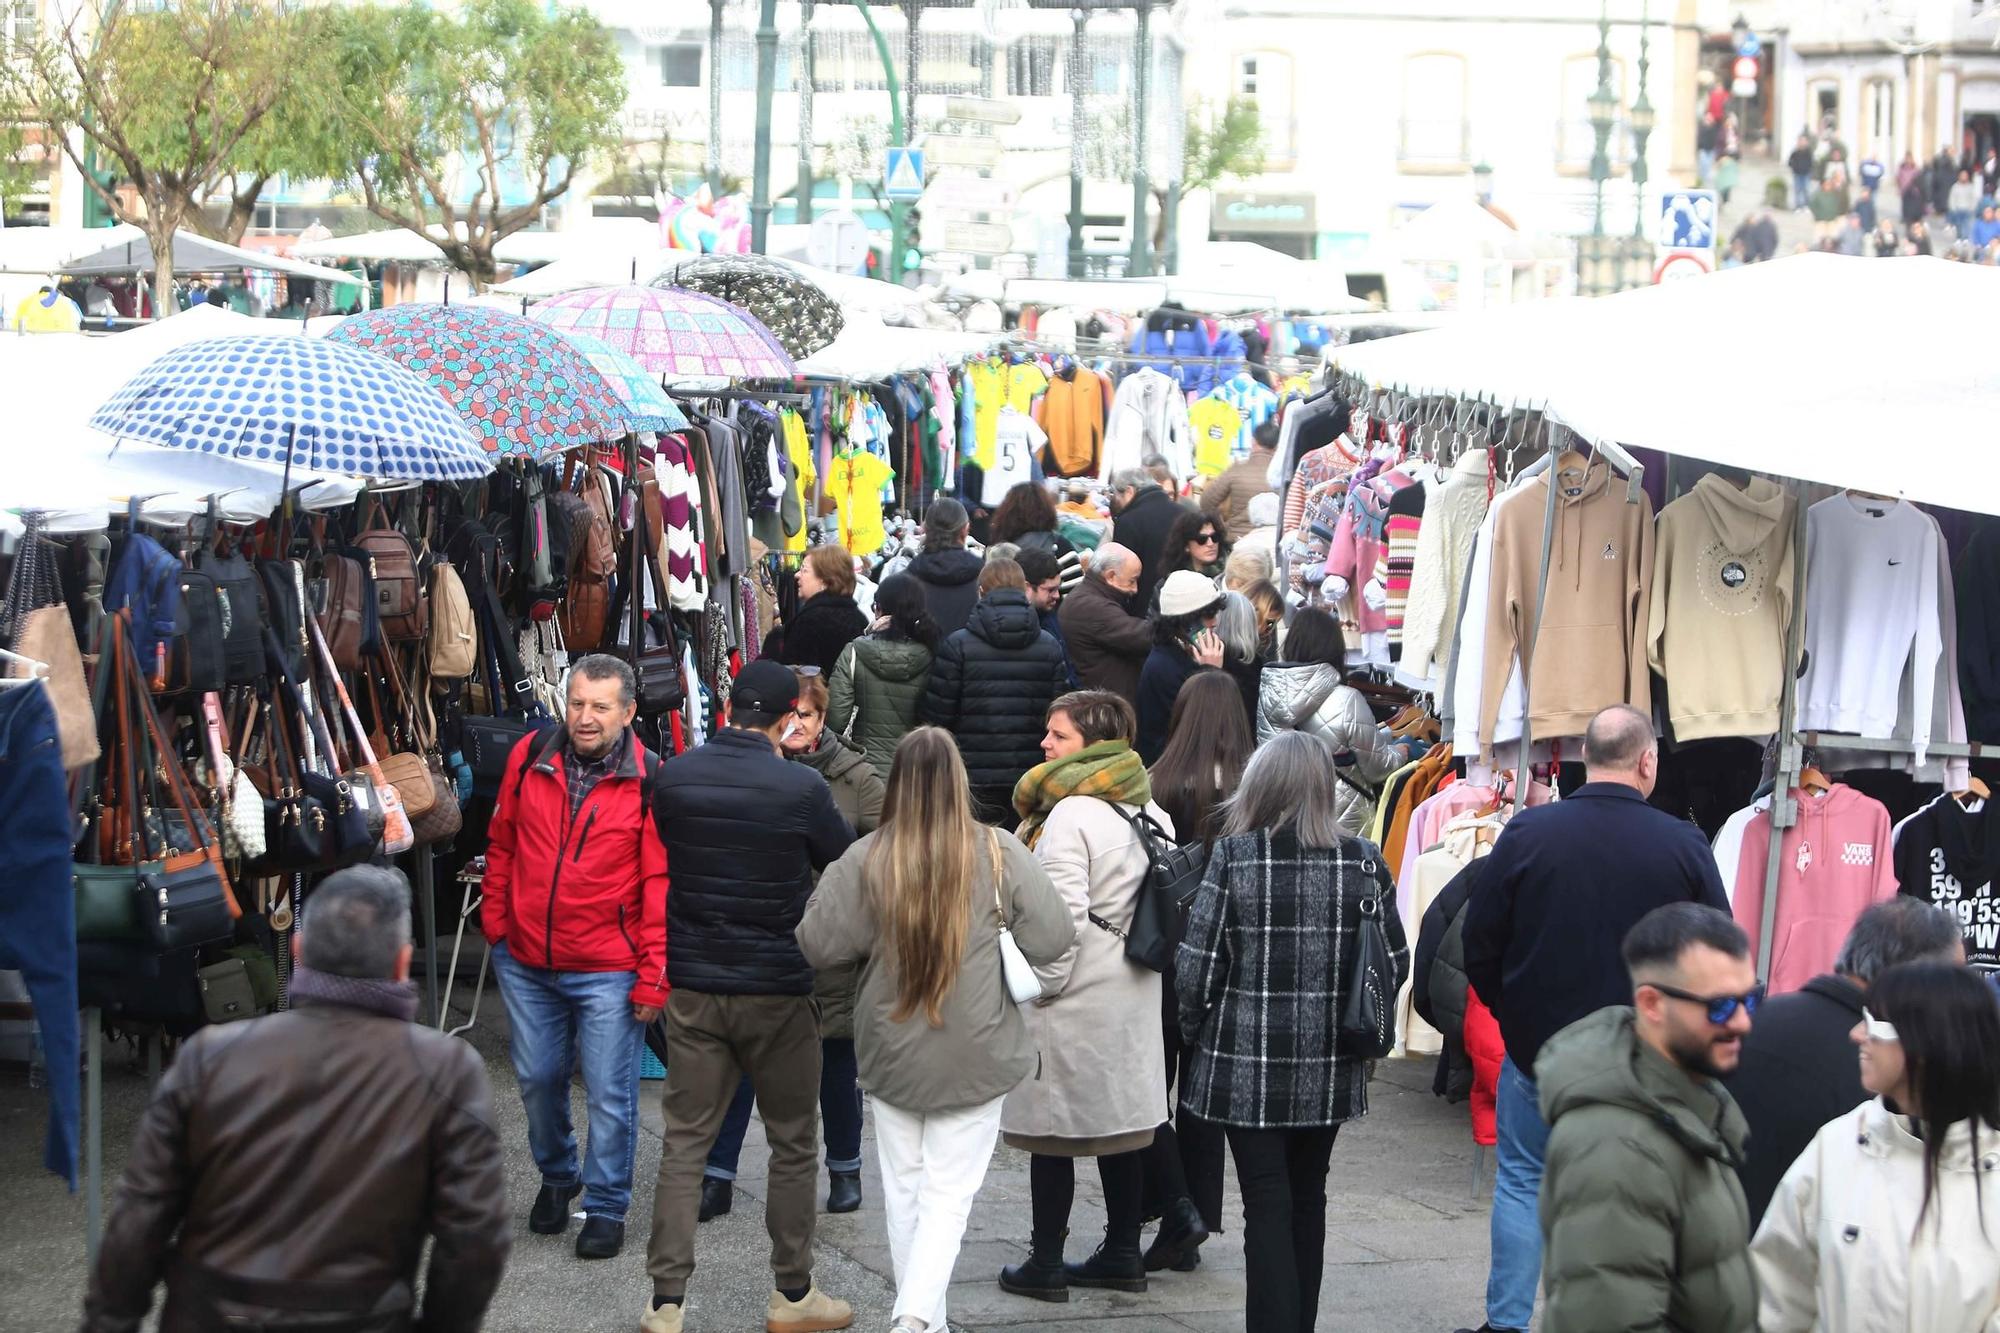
(1406, 518)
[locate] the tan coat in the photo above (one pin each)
(1101, 1084)
(1229, 495)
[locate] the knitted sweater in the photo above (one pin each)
(1452, 515)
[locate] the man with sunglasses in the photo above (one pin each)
(1642, 1214)
(1563, 885)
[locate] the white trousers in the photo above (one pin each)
(932, 1166)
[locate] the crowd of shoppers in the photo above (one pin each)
(903, 878)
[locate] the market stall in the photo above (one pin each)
(1753, 519)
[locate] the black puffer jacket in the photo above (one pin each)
(951, 585)
(744, 832)
(992, 685)
(1438, 986)
(824, 623)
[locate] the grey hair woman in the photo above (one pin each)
(1240, 627)
(1269, 956)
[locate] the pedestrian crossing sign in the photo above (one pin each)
(903, 174)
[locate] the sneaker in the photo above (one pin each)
(661, 1319)
(817, 1313)
(550, 1215)
(601, 1238)
(1489, 1328)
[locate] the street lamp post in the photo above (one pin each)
(767, 79)
(1078, 74)
(1603, 113)
(713, 166)
(1142, 60)
(803, 213)
(1642, 129)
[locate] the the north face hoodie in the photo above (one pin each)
(1721, 599)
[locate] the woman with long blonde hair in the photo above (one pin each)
(919, 904)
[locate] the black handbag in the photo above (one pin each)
(1160, 908)
(661, 689)
(239, 595)
(486, 743)
(180, 895)
(1368, 1013)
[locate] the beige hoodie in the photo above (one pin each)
(1590, 651)
(1721, 598)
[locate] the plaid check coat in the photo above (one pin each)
(1262, 973)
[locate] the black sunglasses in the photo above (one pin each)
(1203, 538)
(1721, 1008)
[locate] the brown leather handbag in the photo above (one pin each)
(593, 558)
(399, 584)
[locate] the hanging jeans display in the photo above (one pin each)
(38, 912)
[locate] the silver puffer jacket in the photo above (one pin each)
(1309, 697)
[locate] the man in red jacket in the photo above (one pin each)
(576, 913)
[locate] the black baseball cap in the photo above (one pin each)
(766, 687)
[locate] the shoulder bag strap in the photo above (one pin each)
(993, 860)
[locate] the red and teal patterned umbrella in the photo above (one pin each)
(521, 387)
(690, 340)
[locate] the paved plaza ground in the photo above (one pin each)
(1406, 1244)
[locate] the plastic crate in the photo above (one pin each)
(650, 1066)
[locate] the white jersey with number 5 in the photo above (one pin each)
(1016, 441)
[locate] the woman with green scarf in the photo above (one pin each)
(1100, 1087)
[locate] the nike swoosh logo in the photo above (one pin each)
(1894, 563)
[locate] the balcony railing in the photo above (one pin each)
(1434, 143)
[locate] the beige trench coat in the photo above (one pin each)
(1100, 1085)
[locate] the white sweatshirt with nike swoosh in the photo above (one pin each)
(1871, 617)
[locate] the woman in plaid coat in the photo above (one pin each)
(1262, 974)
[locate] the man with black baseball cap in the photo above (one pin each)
(744, 832)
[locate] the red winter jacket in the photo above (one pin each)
(582, 894)
(1483, 1044)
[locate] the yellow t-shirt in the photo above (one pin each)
(855, 482)
(31, 316)
(799, 448)
(995, 387)
(1215, 424)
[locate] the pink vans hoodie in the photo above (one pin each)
(1834, 862)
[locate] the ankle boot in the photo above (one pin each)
(1179, 1240)
(1042, 1277)
(1116, 1264)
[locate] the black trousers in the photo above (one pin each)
(1185, 1157)
(1052, 1189)
(1282, 1173)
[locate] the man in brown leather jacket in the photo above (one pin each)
(290, 1168)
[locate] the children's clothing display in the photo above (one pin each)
(855, 482)
(1721, 606)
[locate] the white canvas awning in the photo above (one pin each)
(196, 254)
(1738, 368)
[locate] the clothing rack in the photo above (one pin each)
(734, 395)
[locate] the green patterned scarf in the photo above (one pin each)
(1110, 770)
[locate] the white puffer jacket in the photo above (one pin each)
(1308, 697)
(1839, 1250)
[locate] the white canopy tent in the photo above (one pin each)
(52, 459)
(867, 349)
(1739, 368)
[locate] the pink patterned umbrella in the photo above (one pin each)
(686, 337)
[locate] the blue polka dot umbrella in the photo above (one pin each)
(296, 403)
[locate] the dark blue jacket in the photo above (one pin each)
(1052, 623)
(744, 832)
(1565, 882)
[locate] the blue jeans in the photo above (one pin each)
(839, 1113)
(551, 1016)
(1517, 1185)
(1801, 189)
(1961, 226)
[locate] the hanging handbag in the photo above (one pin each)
(181, 897)
(443, 818)
(397, 575)
(1368, 1013)
(242, 822)
(451, 643)
(1015, 969)
(40, 629)
(396, 835)
(405, 769)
